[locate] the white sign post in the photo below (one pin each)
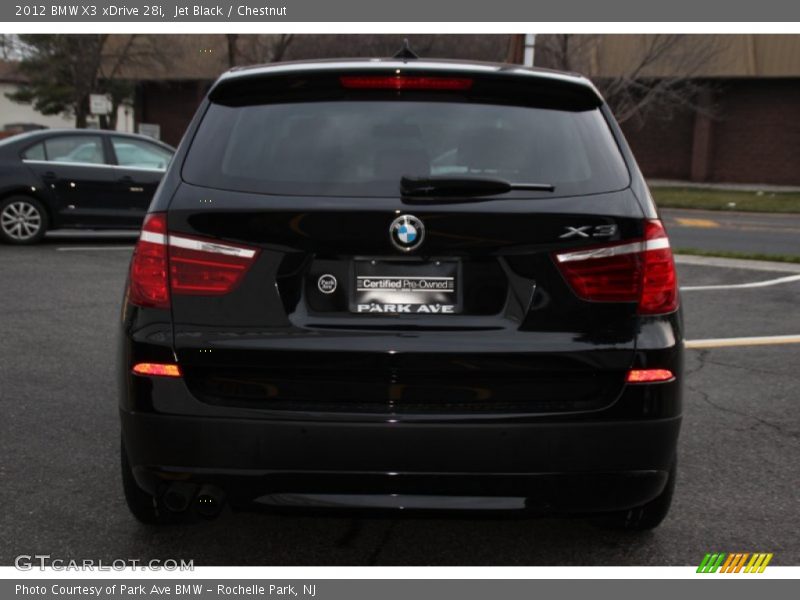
(152, 130)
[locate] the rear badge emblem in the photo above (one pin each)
(407, 232)
(326, 284)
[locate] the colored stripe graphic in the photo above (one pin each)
(765, 563)
(758, 563)
(728, 566)
(718, 563)
(752, 562)
(703, 563)
(711, 562)
(741, 562)
(734, 562)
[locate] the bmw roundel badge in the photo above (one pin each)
(407, 232)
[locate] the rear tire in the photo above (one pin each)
(23, 220)
(142, 505)
(645, 517)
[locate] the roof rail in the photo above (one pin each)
(406, 53)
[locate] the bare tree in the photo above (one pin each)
(11, 47)
(474, 47)
(232, 40)
(62, 71)
(660, 74)
(258, 49)
(119, 55)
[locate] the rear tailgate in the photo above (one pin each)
(304, 170)
(523, 341)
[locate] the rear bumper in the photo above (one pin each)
(556, 466)
(612, 458)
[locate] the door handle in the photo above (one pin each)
(129, 181)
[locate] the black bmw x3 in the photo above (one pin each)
(402, 284)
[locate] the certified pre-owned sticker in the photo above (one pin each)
(444, 285)
(326, 284)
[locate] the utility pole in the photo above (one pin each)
(530, 49)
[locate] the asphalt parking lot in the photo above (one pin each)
(765, 233)
(61, 493)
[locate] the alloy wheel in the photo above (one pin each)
(21, 220)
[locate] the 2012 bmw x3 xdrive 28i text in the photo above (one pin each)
(402, 283)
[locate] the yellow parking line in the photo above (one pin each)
(769, 340)
(704, 223)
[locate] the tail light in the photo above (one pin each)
(649, 375)
(157, 369)
(206, 268)
(165, 263)
(660, 282)
(149, 284)
(401, 82)
(641, 271)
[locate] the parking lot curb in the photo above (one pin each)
(737, 263)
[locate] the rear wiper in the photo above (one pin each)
(462, 189)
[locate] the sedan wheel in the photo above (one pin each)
(22, 220)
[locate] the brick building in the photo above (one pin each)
(742, 126)
(752, 136)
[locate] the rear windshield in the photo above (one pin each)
(364, 148)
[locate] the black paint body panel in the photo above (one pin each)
(285, 390)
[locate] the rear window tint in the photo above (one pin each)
(83, 149)
(140, 154)
(364, 148)
(35, 152)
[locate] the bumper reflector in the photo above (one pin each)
(157, 369)
(649, 375)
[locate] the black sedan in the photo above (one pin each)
(76, 178)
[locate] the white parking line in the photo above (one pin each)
(92, 248)
(738, 286)
(769, 340)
